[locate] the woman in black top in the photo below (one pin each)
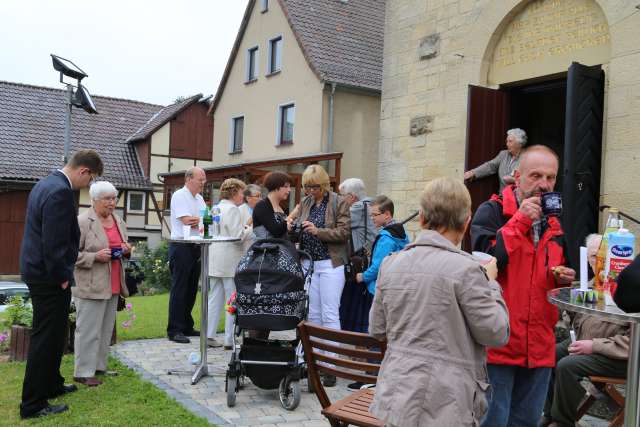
(269, 220)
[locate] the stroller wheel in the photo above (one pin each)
(289, 392)
(232, 389)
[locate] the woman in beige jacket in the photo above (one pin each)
(437, 308)
(99, 277)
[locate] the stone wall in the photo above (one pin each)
(434, 49)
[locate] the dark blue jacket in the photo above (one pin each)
(51, 233)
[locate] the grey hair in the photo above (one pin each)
(100, 189)
(353, 186)
(253, 189)
(519, 135)
(591, 239)
(190, 172)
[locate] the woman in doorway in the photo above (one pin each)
(505, 163)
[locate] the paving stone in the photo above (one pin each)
(254, 406)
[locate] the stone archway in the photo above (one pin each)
(545, 37)
(496, 18)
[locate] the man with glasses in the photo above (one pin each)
(184, 260)
(47, 259)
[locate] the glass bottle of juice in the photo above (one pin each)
(601, 257)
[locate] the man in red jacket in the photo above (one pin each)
(529, 248)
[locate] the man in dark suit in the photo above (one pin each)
(47, 258)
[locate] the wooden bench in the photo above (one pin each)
(319, 343)
(606, 385)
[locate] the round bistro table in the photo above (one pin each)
(202, 368)
(562, 297)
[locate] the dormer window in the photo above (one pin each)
(264, 5)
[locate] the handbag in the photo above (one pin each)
(122, 303)
(358, 260)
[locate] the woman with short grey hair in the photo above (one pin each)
(355, 194)
(100, 280)
(505, 163)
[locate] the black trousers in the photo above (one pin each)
(42, 379)
(565, 392)
(184, 264)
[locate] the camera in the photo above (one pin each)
(295, 234)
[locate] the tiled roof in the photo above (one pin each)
(162, 117)
(342, 40)
(32, 133)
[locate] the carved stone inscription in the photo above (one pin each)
(551, 33)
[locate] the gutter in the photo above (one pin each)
(330, 125)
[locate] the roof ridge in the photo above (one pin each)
(53, 89)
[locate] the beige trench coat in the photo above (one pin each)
(93, 278)
(437, 310)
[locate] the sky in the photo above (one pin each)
(145, 50)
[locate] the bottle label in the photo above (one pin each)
(622, 251)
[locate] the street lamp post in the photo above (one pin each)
(79, 98)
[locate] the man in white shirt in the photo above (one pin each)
(184, 260)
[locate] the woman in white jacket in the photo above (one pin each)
(224, 258)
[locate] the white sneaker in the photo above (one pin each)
(212, 343)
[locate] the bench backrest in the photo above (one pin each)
(323, 348)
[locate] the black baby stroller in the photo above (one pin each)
(270, 296)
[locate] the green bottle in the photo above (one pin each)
(206, 222)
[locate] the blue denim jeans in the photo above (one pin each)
(518, 396)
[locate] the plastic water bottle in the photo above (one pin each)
(194, 358)
(215, 214)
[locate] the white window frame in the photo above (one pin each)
(248, 78)
(280, 116)
(232, 134)
(270, 70)
(264, 6)
(144, 202)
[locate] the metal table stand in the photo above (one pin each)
(561, 297)
(202, 369)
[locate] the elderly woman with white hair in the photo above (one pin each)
(356, 302)
(505, 163)
(99, 280)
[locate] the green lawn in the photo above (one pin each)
(151, 317)
(125, 400)
(122, 400)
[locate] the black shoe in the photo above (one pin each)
(179, 338)
(47, 410)
(355, 386)
(329, 381)
(193, 333)
(66, 388)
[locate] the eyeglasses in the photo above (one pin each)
(111, 199)
(312, 187)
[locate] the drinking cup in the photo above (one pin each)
(116, 253)
(551, 203)
(186, 232)
(481, 257)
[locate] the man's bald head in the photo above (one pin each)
(537, 171)
(194, 179)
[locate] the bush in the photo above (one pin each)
(18, 312)
(155, 268)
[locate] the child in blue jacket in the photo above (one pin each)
(391, 238)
